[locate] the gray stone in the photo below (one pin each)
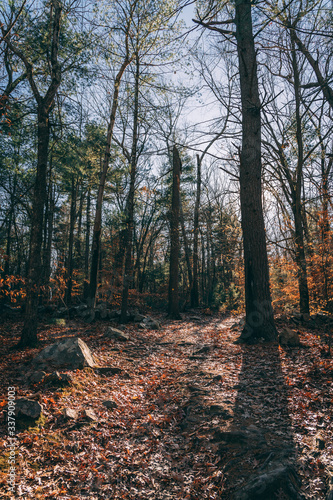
(138, 318)
(113, 314)
(279, 478)
(113, 333)
(150, 323)
(71, 353)
(70, 414)
(104, 314)
(58, 379)
(36, 377)
(89, 415)
(27, 408)
(289, 338)
(110, 405)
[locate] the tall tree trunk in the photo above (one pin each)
(173, 306)
(186, 248)
(68, 297)
(297, 202)
(6, 271)
(44, 106)
(96, 239)
(87, 246)
(29, 332)
(128, 237)
(78, 257)
(49, 234)
(259, 312)
(195, 285)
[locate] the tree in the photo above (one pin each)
(44, 106)
(259, 312)
(173, 304)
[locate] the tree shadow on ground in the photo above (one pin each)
(258, 453)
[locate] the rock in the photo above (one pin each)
(150, 323)
(62, 311)
(280, 478)
(204, 350)
(89, 415)
(217, 378)
(36, 377)
(320, 442)
(104, 314)
(108, 370)
(110, 405)
(71, 353)
(70, 414)
(27, 408)
(220, 411)
(114, 314)
(102, 306)
(289, 338)
(138, 318)
(113, 333)
(57, 379)
(57, 321)
(89, 318)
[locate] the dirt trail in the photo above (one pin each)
(197, 417)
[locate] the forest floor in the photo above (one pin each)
(197, 416)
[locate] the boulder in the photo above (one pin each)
(138, 318)
(289, 338)
(150, 323)
(279, 479)
(113, 333)
(36, 377)
(109, 404)
(27, 408)
(70, 414)
(89, 415)
(71, 353)
(57, 379)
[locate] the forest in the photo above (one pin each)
(166, 264)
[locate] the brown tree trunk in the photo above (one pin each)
(187, 250)
(68, 295)
(44, 106)
(96, 239)
(6, 270)
(29, 332)
(128, 237)
(297, 202)
(259, 312)
(173, 306)
(195, 285)
(87, 246)
(49, 233)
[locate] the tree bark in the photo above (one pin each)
(128, 237)
(195, 285)
(173, 306)
(259, 312)
(44, 106)
(297, 203)
(29, 332)
(70, 266)
(87, 246)
(96, 239)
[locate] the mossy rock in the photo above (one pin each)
(57, 321)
